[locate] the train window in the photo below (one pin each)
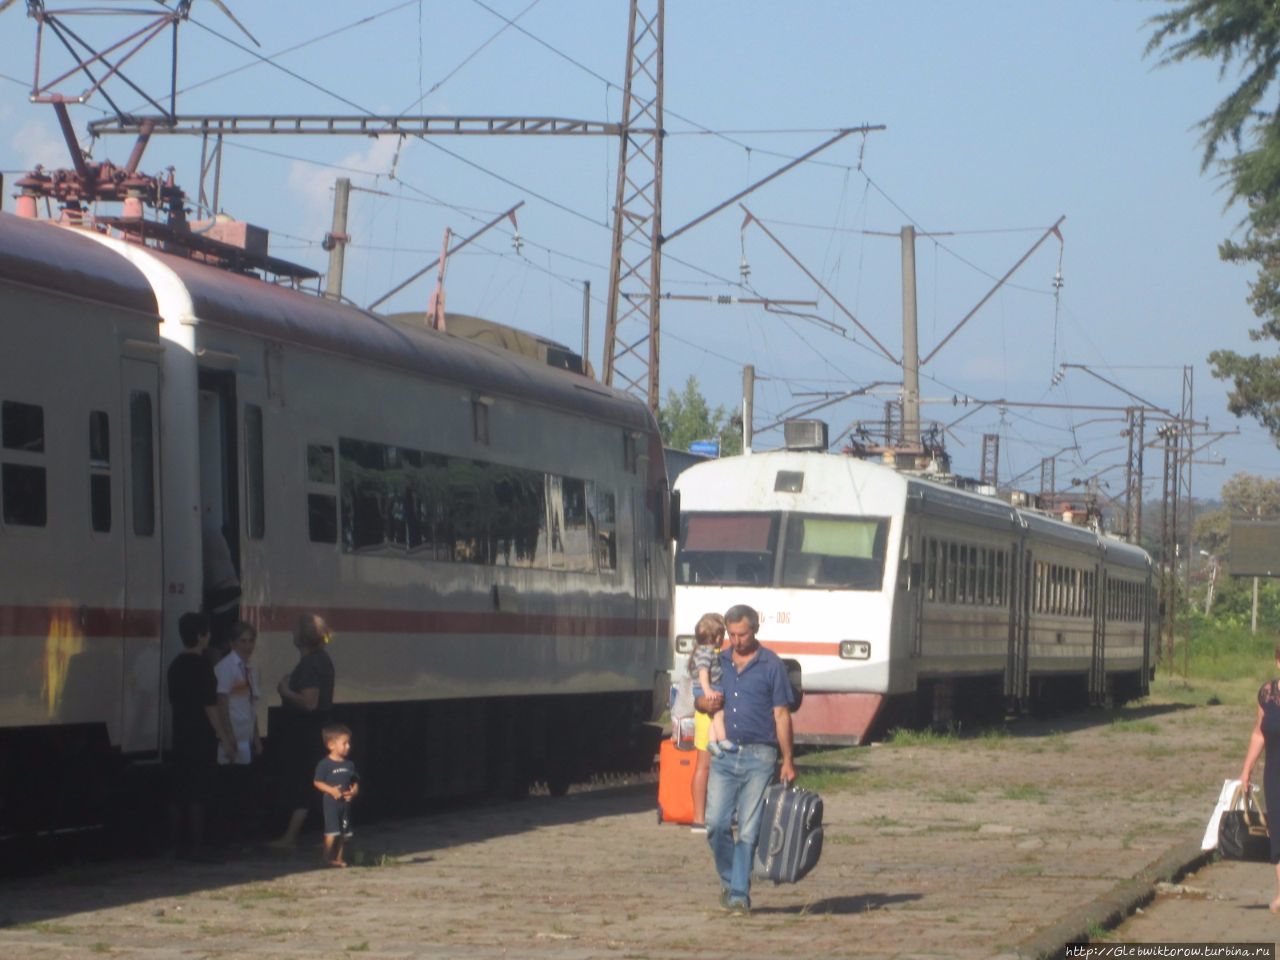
(322, 505)
(835, 552)
(789, 481)
(727, 548)
(320, 463)
(999, 577)
(630, 452)
(606, 538)
(99, 439)
(982, 598)
(100, 471)
(142, 463)
(24, 495)
(480, 419)
(22, 426)
(451, 509)
(952, 572)
(322, 517)
(571, 547)
(254, 474)
(930, 570)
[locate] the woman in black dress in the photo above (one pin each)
(1266, 733)
(307, 697)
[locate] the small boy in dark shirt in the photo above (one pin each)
(337, 779)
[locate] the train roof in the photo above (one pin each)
(38, 253)
(831, 483)
(261, 309)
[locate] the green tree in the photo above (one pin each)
(1244, 495)
(686, 417)
(1247, 121)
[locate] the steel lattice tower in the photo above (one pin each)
(632, 326)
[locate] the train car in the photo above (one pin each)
(904, 598)
(488, 537)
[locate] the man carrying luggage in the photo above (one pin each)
(757, 711)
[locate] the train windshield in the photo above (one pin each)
(727, 548)
(834, 553)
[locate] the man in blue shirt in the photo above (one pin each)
(757, 714)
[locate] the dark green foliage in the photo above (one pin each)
(686, 417)
(1243, 34)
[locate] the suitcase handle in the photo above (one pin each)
(776, 839)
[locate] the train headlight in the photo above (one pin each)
(854, 650)
(684, 644)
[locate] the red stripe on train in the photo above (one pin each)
(85, 620)
(106, 622)
(373, 620)
(789, 648)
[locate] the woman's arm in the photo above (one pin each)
(1256, 743)
(307, 699)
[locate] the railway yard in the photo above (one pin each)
(998, 843)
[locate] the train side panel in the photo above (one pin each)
(79, 613)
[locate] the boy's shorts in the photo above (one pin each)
(701, 730)
(337, 821)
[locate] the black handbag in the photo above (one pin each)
(1242, 831)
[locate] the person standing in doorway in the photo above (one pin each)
(757, 709)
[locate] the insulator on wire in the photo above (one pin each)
(517, 242)
(744, 270)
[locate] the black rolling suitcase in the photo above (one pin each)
(790, 834)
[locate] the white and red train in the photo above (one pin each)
(488, 537)
(906, 600)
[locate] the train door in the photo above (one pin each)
(1097, 663)
(219, 499)
(908, 606)
(1017, 678)
(1148, 608)
(143, 557)
(642, 523)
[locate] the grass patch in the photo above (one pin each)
(994, 737)
(57, 929)
(901, 737)
(953, 796)
(841, 838)
(884, 822)
(1122, 725)
(1098, 932)
(358, 947)
(825, 779)
(253, 895)
(1025, 791)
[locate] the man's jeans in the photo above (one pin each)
(737, 783)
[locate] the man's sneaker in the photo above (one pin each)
(739, 908)
(698, 828)
(724, 899)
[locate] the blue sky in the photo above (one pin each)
(1000, 116)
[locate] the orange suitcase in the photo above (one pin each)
(675, 783)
